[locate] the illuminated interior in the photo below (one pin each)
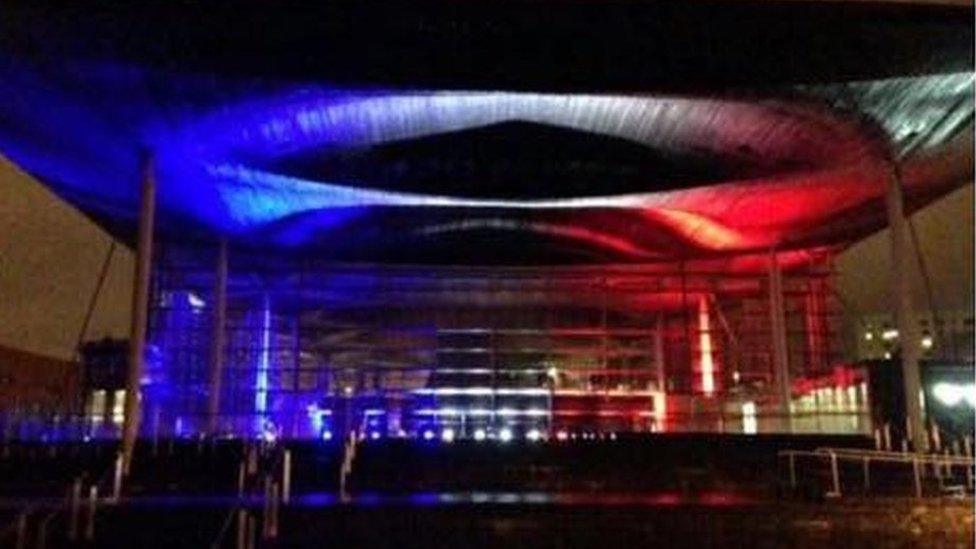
(317, 349)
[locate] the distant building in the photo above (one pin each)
(37, 384)
(946, 336)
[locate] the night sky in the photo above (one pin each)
(50, 256)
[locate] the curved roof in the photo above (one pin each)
(313, 154)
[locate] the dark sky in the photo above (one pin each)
(50, 256)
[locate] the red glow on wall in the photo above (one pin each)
(706, 359)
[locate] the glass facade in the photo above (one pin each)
(317, 350)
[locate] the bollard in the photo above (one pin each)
(92, 506)
(74, 509)
(42, 534)
(273, 522)
(240, 479)
(887, 437)
(286, 478)
(22, 531)
(266, 514)
(792, 471)
(117, 480)
(867, 475)
(241, 529)
(252, 525)
(918, 479)
(252, 460)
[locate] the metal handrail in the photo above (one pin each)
(900, 457)
(867, 456)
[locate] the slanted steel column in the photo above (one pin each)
(217, 338)
(139, 315)
(777, 323)
(908, 333)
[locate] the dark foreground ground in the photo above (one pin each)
(675, 492)
(773, 524)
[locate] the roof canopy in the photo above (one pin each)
(476, 133)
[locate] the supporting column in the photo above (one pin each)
(908, 333)
(777, 323)
(659, 352)
(139, 315)
(217, 338)
(814, 323)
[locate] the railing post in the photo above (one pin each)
(835, 475)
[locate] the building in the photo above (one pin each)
(944, 335)
(31, 383)
(355, 239)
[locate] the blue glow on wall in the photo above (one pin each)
(264, 362)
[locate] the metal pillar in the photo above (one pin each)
(908, 333)
(659, 352)
(139, 316)
(777, 323)
(217, 338)
(814, 321)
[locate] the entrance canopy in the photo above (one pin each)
(464, 135)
